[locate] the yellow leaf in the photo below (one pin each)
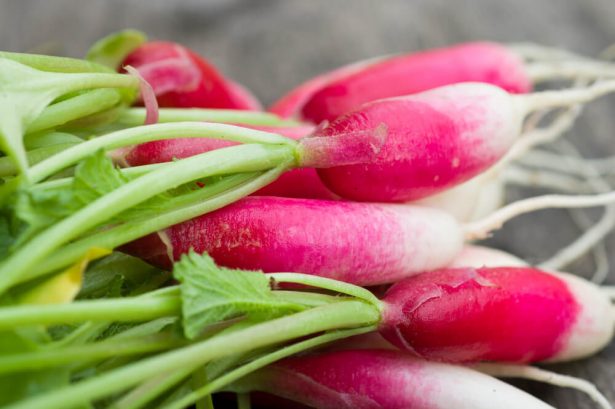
(63, 287)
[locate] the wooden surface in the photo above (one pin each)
(271, 45)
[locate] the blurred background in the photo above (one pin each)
(272, 45)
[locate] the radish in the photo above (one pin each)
(358, 243)
(330, 95)
(508, 314)
(437, 139)
(182, 79)
(383, 379)
(302, 182)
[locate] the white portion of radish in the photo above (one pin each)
(594, 326)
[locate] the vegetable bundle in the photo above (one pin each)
(162, 238)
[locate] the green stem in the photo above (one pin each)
(8, 167)
(263, 361)
(209, 199)
(234, 159)
(305, 298)
(121, 309)
(85, 353)
(149, 133)
(76, 107)
(136, 116)
(54, 64)
(327, 284)
(149, 390)
(130, 173)
(345, 314)
(199, 378)
(63, 83)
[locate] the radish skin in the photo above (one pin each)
(328, 96)
(360, 243)
(372, 379)
(437, 139)
(343, 90)
(182, 79)
(507, 314)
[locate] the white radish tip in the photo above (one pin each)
(147, 96)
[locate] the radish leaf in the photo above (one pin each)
(212, 294)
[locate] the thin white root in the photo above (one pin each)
(585, 242)
(542, 375)
(516, 175)
(567, 164)
(538, 136)
(566, 69)
(563, 98)
(593, 234)
(532, 51)
(609, 290)
(482, 228)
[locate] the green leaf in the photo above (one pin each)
(112, 49)
(24, 94)
(211, 294)
(118, 275)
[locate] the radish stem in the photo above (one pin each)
(152, 133)
(85, 353)
(242, 158)
(136, 116)
(344, 314)
(263, 361)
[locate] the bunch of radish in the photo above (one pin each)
(243, 237)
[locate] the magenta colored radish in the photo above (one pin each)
(330, 95)
(509, 314)
(182, 79)
(379, 379)
(360, 243)
(434, 140)
(290, 104)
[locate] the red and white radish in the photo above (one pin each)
(333, 94)
(437, 139)
(360, 243)
(507, 314)
(182, 79)
(383, 379)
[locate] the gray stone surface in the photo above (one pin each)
(271, 45)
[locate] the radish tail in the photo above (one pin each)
(541, 71)
(481, 228)
(563, 98)
(516, 175)
(542, 375)
(593, 235)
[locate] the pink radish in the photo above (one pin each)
(507, 314)
(359, 243)
(436, 139)
(369, 379)
(302, 182)
(182, 79)
(332, 94)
